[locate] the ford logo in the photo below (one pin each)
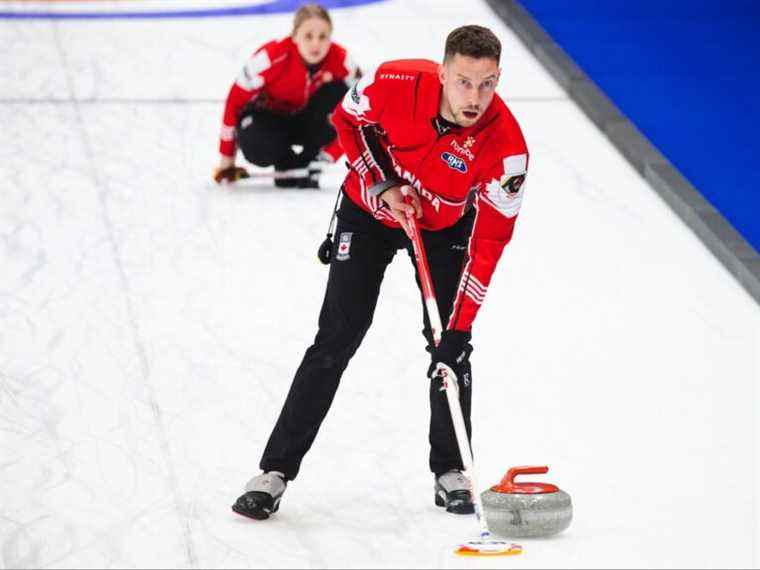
(454, 162)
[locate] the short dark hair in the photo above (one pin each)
(473, 41)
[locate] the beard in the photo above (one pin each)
(468, 116)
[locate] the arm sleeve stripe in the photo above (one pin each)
(359, 139)
(377, 153)
(458, 300)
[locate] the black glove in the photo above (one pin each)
(453, 351)
(230, 174)
(324, 253)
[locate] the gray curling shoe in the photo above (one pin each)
(452, 490)
(262, 496)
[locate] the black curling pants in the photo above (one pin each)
(363, 249)
(266, 138)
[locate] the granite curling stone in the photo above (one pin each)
(526, 510)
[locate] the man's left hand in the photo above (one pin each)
(453, 351)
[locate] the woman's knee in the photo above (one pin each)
(258, 155)
(260, 138)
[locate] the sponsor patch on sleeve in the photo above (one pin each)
(515, 164)
(512, 184)
(506, 194)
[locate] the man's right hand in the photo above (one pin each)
(396, 199)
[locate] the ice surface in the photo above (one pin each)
(150, 324)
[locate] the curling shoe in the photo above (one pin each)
(452, 490)
(262, 496)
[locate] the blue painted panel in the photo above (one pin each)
(687, 74)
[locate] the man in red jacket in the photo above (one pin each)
(441, 131)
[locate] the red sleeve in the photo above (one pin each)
(500, 194)
(342, 65)
(357, 120)
(249, 83)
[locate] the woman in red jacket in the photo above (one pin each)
(283, 97)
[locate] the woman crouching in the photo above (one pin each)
(282, 98)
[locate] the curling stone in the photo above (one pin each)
(528, 509)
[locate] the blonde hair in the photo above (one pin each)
(309, 11)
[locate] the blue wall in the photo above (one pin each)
(686, 73)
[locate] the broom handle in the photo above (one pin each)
(450, 384)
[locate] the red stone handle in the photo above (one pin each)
(508, 485)
(509, 478)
